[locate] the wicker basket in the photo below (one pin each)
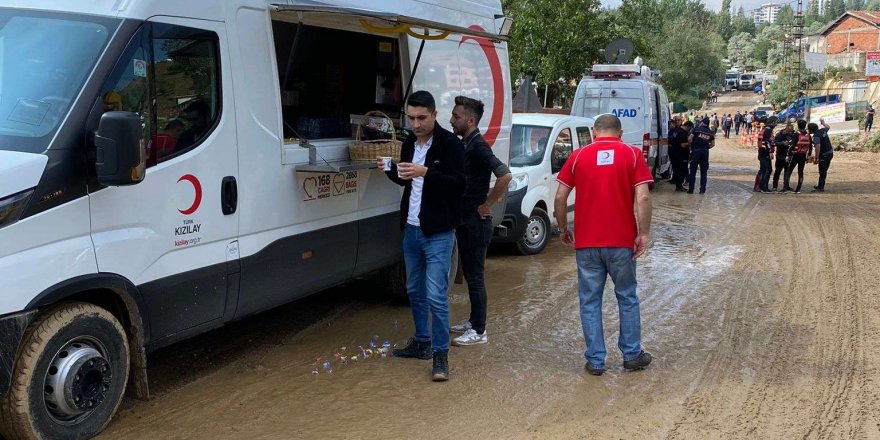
(370, 150)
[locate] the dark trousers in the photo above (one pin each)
(824, 163)
(736, 128)
(474, 235)
(780, 167)
(679, 172)
(726, 131)
(868, 124)
(764, 173)
(699, 158)
(799, 161)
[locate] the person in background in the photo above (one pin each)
(869, 118)
(824, 152)
(782, 143)
(726, 123)
(798, 157)
(679, 153)
(737, 122)
(431, 171)
(608, 238)
(700, 140)
(765, 156)
(475, 231)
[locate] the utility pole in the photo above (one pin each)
(798, 34)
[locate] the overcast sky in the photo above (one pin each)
(716, 4)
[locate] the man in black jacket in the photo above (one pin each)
(431, 170)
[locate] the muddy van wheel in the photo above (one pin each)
(536, 235)
(69, 375)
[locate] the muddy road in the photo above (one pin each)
(762, 312)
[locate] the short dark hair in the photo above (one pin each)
(607, 122)
(422, 98)
(472, 106)
(813, 127)
(801, 124)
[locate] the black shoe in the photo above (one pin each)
(680, 189)
(690, 191)
(415, 349)
(594, 371)
(818, 190)
(441, 367)
(639, 363)
(702, 191)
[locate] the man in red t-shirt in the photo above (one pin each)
(611, 177)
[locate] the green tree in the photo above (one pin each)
(553, 40)
(744, 24)
(687, 75)
(785, 15)
(812, 14)
(741, 48)
(855, 5)
(834, 9)
(724, 22)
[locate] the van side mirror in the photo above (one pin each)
(121, 155)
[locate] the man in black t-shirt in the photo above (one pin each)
(822, 150)
(869, 119)
(678, 153)
(765, 146)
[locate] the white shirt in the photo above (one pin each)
(415, 195)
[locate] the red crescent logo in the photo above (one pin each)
(497, 83)
(197, 186)
(606, 155)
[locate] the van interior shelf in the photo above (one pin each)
(335, 166)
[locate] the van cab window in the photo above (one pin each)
(584, 136)
(562, 148)
(45, 58)
(170, 76)
(528, 144)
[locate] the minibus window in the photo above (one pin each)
(45, 59)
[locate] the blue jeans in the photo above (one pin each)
(594, 266)
(427, 260)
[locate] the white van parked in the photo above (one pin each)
(539, 146)
(151, 188)
(629, 92)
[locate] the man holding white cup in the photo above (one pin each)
(431, 170)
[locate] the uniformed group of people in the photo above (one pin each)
(689, 145)
(792, 149)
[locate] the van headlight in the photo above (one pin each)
(11, 207)
(518, 182)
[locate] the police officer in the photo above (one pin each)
(700, 140)
(823, 150)
(765, 155)
(797, 157)
(678, 153)
(781, 144)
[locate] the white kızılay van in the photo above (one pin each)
(168, 167)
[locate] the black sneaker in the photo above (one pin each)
(690, 191)
(702, 191)
(639, 363)
(415, 349)
(441, 366)
(594, 371)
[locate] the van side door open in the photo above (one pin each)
(173, 234)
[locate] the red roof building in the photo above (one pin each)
(854, 31)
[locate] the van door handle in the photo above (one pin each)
(229, 195)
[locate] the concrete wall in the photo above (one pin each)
(855, 60)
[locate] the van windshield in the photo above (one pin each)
(44, 60)
(527, 144)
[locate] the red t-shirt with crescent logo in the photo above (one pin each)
(605, 174)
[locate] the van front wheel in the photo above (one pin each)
(69, 375)
(536, 235)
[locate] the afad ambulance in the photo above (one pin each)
(630, 92)
(167, 167)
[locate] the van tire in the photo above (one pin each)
(393, 278)
(536, 235)
(85, 330)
